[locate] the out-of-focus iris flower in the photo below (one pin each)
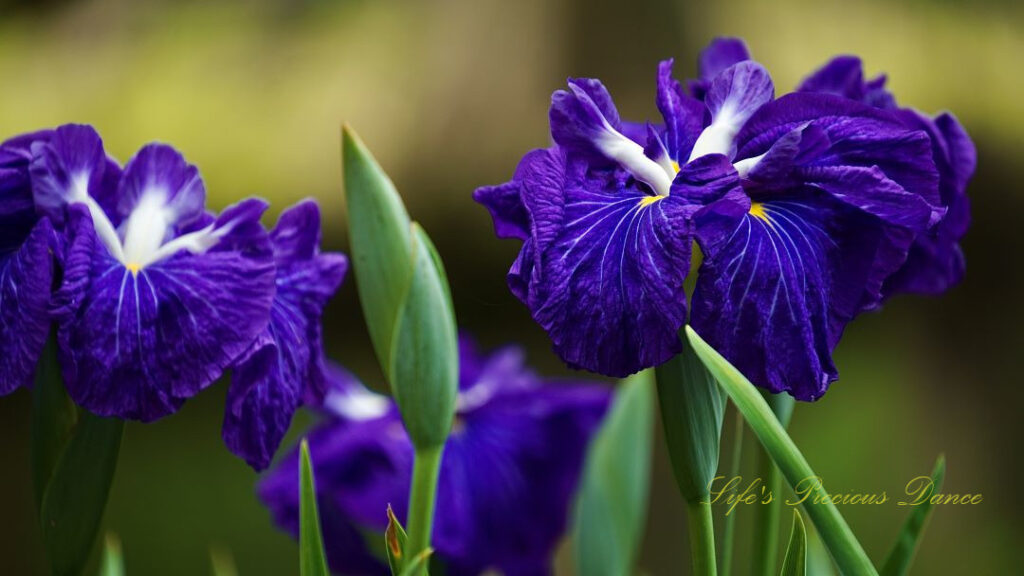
(26, 266)
(507, 476)
(283, 369)
(802, 206)
(935, 262)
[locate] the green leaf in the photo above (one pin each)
(394, 542)
(74, 456)
(902, 554)
(54, 416)
(312, 561)
(839, 539)
(113, 562)
(425, 359)
(379, 238)
(795, 563)
(611, 507)
(692, 407)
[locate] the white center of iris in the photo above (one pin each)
(717, 138)
(143, 238)
(145, 229)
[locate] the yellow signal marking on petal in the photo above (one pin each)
(757, 210)
(675, 166)
(648, 200)
(133, 268)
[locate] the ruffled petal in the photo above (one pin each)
(762, 299)
(283, 369)
(26, 276)
(506, 208)
(858, 137)
(936, 262)
(610, 262)
(136, 345)
(844, 76)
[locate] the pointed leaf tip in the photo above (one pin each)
(795, 563)
(394, 540)
(902, 555)
(312, 560)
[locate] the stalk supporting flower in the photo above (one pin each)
(408, 309)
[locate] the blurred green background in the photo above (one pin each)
(449, 95)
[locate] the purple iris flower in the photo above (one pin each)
(283, 369)
(26, 266)
(158, 295)
(508, 472)
(935, 262)
(802, 207)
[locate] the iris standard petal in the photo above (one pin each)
(733, 97)
(685, 117)
(718, 55)
(844, 76)
(283, 367)
(72, 167)
(136, 344)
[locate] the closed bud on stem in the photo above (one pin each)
(405, 298)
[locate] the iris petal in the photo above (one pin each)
(610, 263)
(137, 345)
(685, 117)
(283, 368)
(25, 278)
(761, 296)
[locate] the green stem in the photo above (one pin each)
(734, 471)
(425, 470)
(766, 517)
(702, 537)
(847, 552)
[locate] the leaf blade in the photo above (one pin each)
(611, 506)
(902, 555)
(312, 560)
(795, 561)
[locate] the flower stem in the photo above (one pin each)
(766, 518)
(425, 470)
(734, 471)
(702, 537)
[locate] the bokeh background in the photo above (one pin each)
(449, 95)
